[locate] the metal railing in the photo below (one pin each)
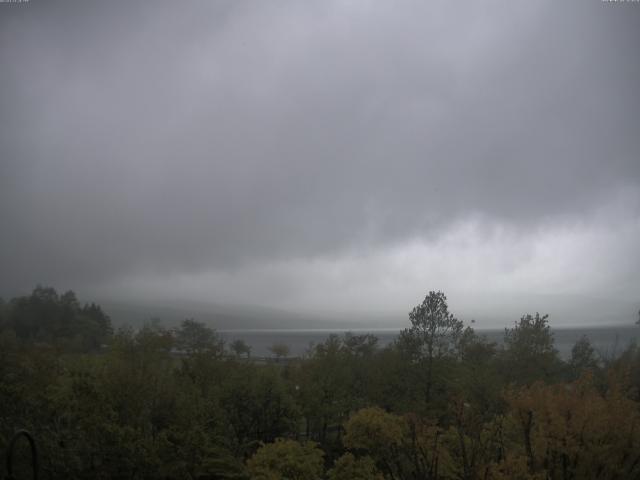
(34, 454)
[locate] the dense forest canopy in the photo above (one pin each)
(441, 402)
(56, 319)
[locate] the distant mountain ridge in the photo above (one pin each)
(563, 310)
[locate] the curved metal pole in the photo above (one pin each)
(34, 453)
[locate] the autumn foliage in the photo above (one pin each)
(441, 402)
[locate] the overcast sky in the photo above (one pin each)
(329, 157)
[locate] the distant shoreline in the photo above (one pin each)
(605, 338)
(399, 329)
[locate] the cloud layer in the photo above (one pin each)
(276, 150)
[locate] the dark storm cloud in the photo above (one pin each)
(203, 136)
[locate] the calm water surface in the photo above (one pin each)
(607, 340)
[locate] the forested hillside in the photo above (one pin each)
(441, 402)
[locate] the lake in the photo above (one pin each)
(609, 340)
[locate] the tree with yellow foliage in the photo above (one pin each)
(287, 460)
(573, 431)
(348, 467)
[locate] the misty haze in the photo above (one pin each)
(335, 240)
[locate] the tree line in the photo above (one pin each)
(440, 402)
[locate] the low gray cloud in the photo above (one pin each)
(208, 139)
